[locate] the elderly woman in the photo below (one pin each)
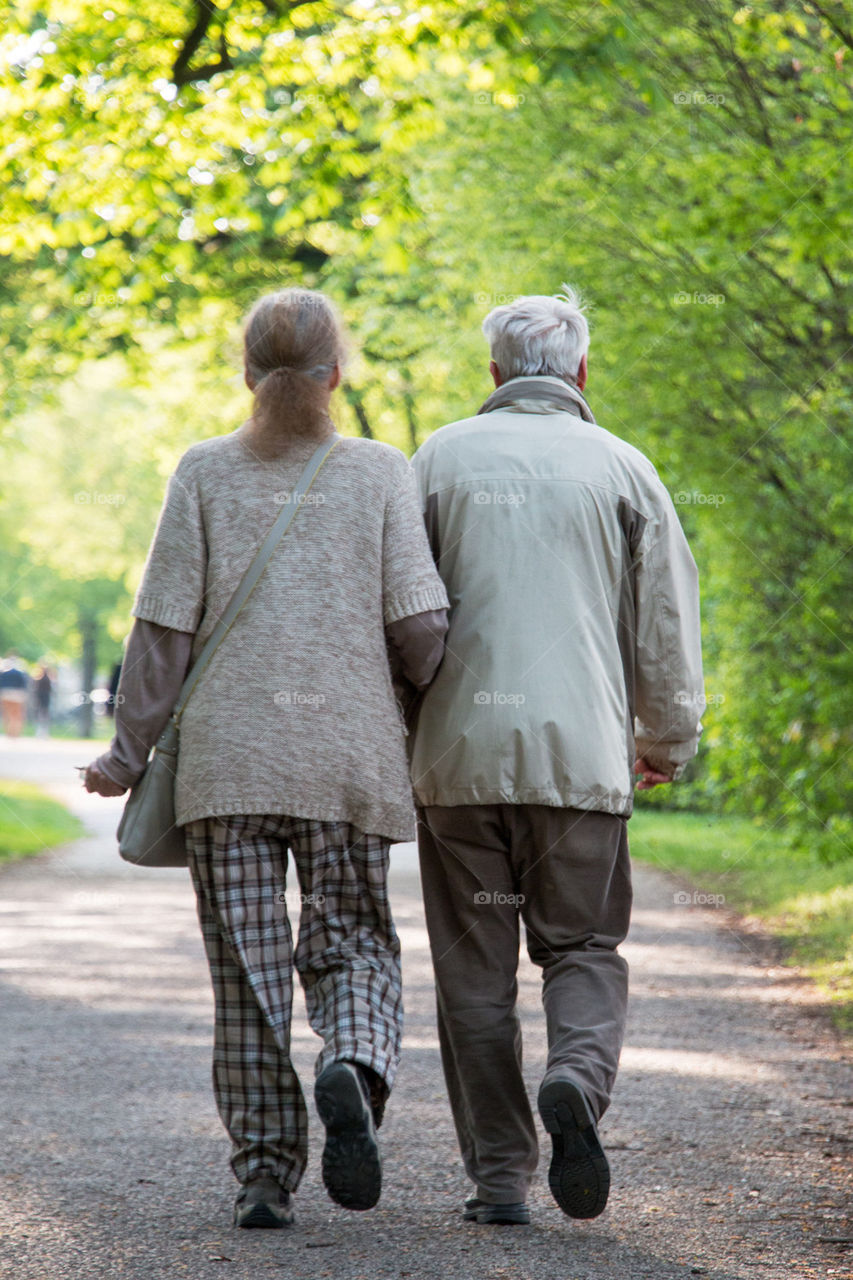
(291, 740)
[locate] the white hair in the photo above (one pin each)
(539, 335)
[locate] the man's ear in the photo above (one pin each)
(335, 379)
(582, 374)
(248, 379)
(496, 374)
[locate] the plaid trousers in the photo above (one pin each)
(347, 957)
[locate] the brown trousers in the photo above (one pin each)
(566, 874)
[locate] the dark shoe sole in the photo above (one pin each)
(352, 1169)
(261, 1215)
(579, 1176)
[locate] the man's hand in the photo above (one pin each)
(95, 780)
(649, 776)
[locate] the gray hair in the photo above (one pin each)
(539, 335)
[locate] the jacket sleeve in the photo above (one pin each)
(410, 582)
(155, 664)
(669, 693)
(416, 645)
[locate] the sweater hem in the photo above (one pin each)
(393, 826)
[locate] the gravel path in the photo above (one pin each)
(727, 1132)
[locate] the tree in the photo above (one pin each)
(686, 169)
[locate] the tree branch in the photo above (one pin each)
(843, 34)
(181, 73)
(358, 405)
(206, 11)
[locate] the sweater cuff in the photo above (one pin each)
(167, 613)
(419, 600)
(115, 772)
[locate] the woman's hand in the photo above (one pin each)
(97, 781)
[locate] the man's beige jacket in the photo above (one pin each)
(574, 638)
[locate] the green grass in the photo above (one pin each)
(794, 896)
(30, 821)
(102, 730)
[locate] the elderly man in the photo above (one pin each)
(573, 662)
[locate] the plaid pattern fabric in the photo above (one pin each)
(347, 956)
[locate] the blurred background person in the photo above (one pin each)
(14, 690)
(42, 699)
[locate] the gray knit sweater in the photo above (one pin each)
(295, 713)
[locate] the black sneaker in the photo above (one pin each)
(263, 1203)
(579, 1176)
(379, 1092)
(494, 1214)
(352, 1169)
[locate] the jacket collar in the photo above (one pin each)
(541, 387)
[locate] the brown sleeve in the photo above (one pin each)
(155, 663)
(417, 644)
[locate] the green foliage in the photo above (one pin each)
(156, 163)
(685, 167)
(30, 821)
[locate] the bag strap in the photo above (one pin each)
(255, 569)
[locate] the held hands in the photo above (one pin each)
(649, 777)
(94, 780)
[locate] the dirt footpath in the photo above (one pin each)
(727, 1133)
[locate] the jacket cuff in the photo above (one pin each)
(662, 756)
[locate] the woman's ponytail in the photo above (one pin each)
(293, 343)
